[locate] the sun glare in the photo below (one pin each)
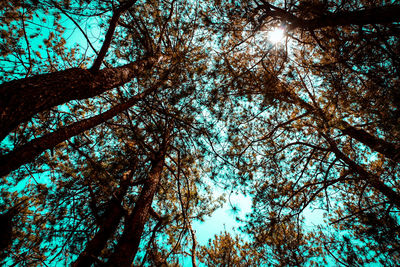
(276, 35)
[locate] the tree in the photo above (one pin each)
(107, 172)
(113, 139)
(228, 250)
(322, 131)
(26, 97)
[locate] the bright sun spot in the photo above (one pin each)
(276, 35)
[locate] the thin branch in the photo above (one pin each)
(27, 44)
(110, 33)
(76, 24)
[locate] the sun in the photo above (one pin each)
(276, 35)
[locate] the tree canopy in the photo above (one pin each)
(120, 118)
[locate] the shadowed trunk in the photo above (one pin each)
(112, 218)
(28, 152)
(377, 15)
(23, 98)
(374, 15)
(374, 181)
(389, 150)
(128, 244)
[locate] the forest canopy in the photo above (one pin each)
(120, 119)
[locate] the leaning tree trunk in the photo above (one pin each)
(389, 150)
(23, 98)
(373, 15)
(373, 180)
(128, 244)
(112, 218)
(28, 152)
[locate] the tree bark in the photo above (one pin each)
(374, 15)
(128, 244)
(389, 150)
(110, 33)
(28, 152)
(372, 179)
(23, 98)
(112, 218)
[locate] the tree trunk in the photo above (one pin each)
(128, 244)
(28, 152)
(374, 15)
(372, 179)
(110, 33)
(23, 98)
(112, 218)
(389, 150)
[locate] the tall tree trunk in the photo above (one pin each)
(373, 15)
(389, 150)
(28, 152)
(372, 179)
(112, 218)
(23, 98)
(128, 244)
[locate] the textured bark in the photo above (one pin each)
(194, 245)
(389, 150)
(23, 98)
(28, 152)
(112, 218)
(128, 244)
(375, 15)
(372, 179)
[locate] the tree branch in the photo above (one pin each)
(23, 98)
(110, 33)
(34, 148)
(373, 15)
